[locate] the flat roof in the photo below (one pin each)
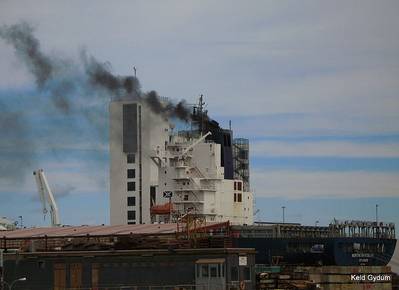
(102, 230)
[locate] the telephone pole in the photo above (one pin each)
(283, 207)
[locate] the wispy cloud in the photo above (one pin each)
(324, 149)
(72, 176)
(319, 184)
(282, 69)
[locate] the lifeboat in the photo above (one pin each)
(166, 208)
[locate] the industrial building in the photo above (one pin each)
(125, 257)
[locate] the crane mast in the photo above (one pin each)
(46, 195)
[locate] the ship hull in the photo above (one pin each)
(320, 251)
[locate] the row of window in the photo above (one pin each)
(131, 186)
(217, 270)
(210, 270)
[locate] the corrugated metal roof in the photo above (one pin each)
(70, 231)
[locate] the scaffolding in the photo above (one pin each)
(241, 161)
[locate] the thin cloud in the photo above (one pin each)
(324, 149)
(318, 184)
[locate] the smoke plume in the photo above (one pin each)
(68, 84)
(27, 48)
(100, 76)
(166, 108)
(16, 150)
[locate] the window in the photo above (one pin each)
(204, 271)
(131, 201)
(152, 195)
(131, 223)
(131, 186)
(235, 197)
(239, 197)
(131, 158)
(247, 273)
(186, 197)
(214, 272)
(234, 274)
(239, 186)
(41, 264)
(131, 214)
(131, 173)
(235, 185)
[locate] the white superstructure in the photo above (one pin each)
(190, 170)
(148, 159)
(134, 130)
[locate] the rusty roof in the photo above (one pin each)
(102, 230)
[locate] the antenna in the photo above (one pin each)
(201, 105)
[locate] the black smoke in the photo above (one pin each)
(166, 108)
(60, 78)
(128, 87)
(16, 148)
(100, 76)
(59, 81)
(27, 48)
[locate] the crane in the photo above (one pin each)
(185, 151)
(46, 195)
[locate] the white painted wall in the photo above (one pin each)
(154, 133)
(217, 204)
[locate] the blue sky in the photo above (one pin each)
(313, 85)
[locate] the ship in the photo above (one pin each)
(342, 243)
(206, 173)
(203, 237)
(203, 175)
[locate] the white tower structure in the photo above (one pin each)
(134, 131)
